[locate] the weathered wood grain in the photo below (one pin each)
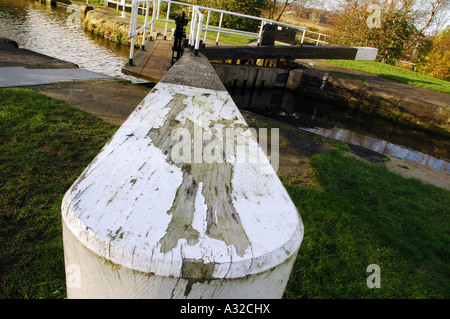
(141, 223)
(289, 52)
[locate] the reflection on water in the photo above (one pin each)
(382, 147)
(349, 126)
(48, 30)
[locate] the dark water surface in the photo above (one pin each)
(350, 126)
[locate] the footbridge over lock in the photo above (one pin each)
(183, 201)
(156, 56)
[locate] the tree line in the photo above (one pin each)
(399, 29)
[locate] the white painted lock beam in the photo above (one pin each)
(140, 223)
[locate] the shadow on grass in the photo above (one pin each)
(356, 214)
(429, 85)
(404, 79)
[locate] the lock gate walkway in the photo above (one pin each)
(152, 63)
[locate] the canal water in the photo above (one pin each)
(347, 125)
(53, 31)
(47, 30)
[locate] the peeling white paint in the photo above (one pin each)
(199, 223)
(119, 207)
(365, 53)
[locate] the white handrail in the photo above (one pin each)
(196, 29)
(196, 24)
(121, 3)
(133, 24)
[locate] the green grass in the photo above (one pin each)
(44, 146)
(396, 73)
(356, 214)
(354, 78)
(96, 2)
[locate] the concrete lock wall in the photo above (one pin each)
(384, 101)
(251, 76)
(182, 202)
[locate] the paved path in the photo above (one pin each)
(12, 55)
(111, 99)
(20, 76)
(22, 67)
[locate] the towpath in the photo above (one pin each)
(111, 99)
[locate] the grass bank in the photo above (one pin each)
(44, 146)
(396, 73)
(355, 214)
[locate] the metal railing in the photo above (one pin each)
(196, 29)
(197, 25)
(317, 41)
(119, 3)
(124, 4)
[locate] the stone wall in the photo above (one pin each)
(385, 102)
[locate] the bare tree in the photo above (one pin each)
(425, 13)
(436, 13)
(272, 7)
(442, 19)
